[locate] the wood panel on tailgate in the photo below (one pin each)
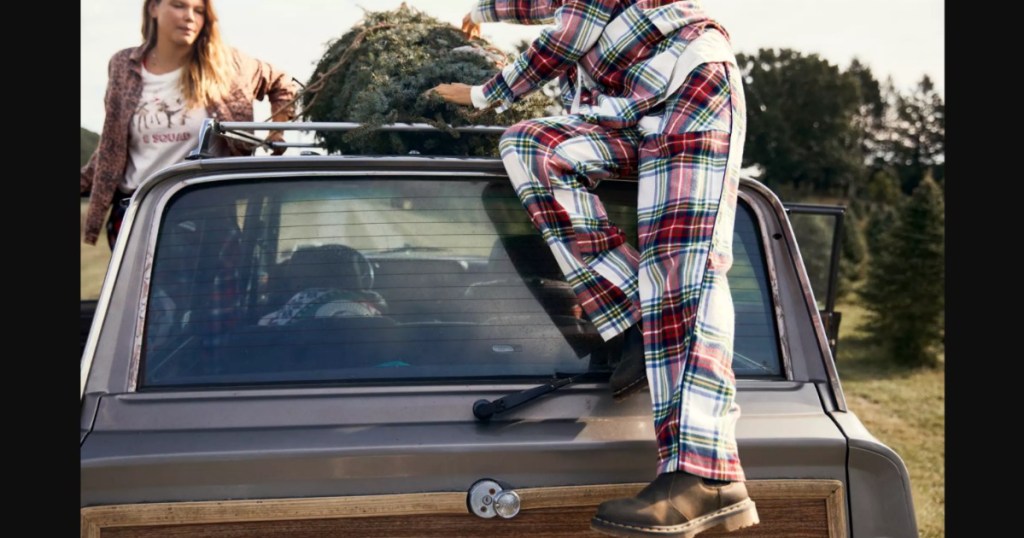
(790, 508)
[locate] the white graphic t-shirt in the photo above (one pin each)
(163, 129)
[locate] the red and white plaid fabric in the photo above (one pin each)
(676, 119)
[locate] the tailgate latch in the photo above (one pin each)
(487, 498)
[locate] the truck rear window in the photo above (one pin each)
(387, 279)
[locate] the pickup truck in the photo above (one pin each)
(313, 344)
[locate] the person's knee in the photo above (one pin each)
(516, 137)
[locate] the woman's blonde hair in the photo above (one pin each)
(207, 76)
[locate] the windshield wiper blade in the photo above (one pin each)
(410, 248)
(483, 410)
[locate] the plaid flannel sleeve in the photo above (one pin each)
(578, 25)
(514, 11)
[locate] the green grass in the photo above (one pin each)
(904, 408)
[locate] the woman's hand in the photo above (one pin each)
(457, 93)
(276, 136)
(470, 28)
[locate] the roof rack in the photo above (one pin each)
(241, 130)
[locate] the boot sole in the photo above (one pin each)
(734, 517)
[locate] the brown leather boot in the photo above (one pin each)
(677, 505)
(630, 374)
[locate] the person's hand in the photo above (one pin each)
(470, 28)
(457, 93)
(276, 136)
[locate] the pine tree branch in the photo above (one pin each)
(318, 85)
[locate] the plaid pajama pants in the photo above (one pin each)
(675, 282)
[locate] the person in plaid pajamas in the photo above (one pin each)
(653, 90)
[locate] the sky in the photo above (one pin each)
(902, 39)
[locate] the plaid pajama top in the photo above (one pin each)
(618, 51)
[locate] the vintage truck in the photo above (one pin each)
(313, 344)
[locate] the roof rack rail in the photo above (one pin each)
(239, 130)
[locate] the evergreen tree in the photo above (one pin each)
(868, 121)
(801, 126)
(879, 226)
(912, 141)
(906, 281)
(882, 190)
(876, 206)
(378, 73)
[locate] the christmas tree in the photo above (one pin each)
(905, 292)
(380, 71)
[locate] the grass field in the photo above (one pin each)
(903, 408)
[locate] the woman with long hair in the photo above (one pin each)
(158, 94)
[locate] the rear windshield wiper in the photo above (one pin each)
(483, 410)
(410, 248)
